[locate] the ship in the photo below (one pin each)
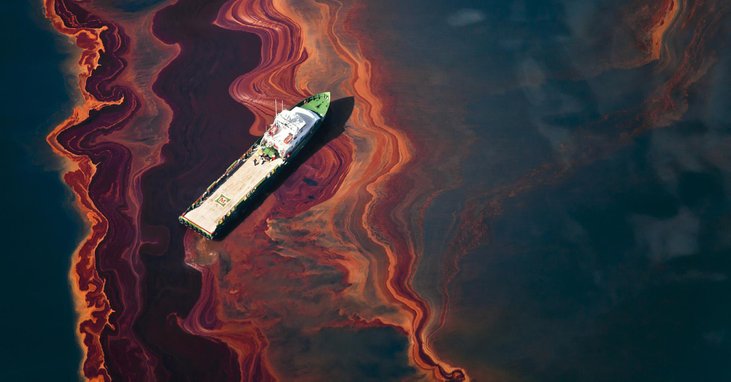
(250, 174)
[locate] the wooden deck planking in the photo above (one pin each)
(233, 190)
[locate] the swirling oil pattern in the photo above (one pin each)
(504, 191)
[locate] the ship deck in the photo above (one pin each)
(238, 187)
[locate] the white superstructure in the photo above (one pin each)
(288, 129)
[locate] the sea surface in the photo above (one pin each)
(39, 226)
(503, 191)
(597, 177)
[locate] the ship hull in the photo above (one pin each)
(244, 182)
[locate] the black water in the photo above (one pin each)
(39, 227)
(613, 263)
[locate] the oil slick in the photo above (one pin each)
(337, 252)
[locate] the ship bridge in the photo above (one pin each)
(288, 129)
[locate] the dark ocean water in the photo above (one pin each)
(609, 258)
(39, 227)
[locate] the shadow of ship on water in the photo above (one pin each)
(332, 127)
